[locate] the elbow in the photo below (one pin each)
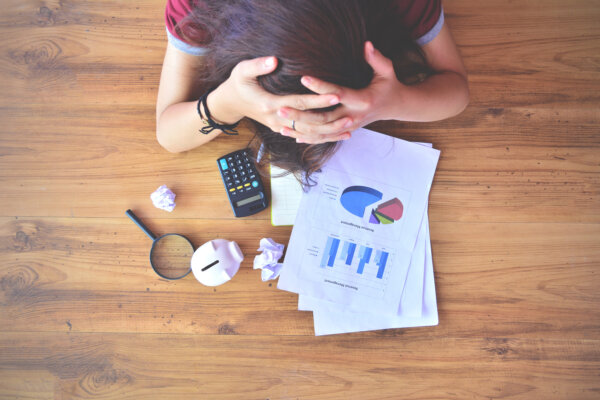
(163, 139)
(464, 101)
(162, 133)
(462, 98)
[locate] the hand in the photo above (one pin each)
(241, 96)
(360, 106)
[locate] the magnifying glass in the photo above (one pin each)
(170, 255)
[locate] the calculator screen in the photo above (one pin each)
(248, 200)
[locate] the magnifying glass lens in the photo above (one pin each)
(171, 255)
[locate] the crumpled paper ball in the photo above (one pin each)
(268, 260)
(163, 198)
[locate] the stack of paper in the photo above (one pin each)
(359, 255)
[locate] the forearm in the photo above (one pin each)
(178, 128)
(438, 97)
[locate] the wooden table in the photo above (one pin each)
(514, 212)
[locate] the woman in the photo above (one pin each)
(307, 72)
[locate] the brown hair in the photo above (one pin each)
(321, 38)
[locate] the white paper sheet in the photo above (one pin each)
(412, 293)
(330, 318)
(286, 193)
(319, 264)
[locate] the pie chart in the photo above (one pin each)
(355, 199)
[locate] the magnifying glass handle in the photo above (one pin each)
(139, 223)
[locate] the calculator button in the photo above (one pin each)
(242, 173)
(246, 184)
(232, 190)
(254, 183)
(235, 176)
(223, 163)
(244, 179)
(239, 187)
(252, 176)
(237, 181)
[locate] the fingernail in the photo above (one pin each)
(370, 47)
(348, 123)
(334, 100)
(283, 132)
(299, 141)
(269, 62)
(282, 113)
(306, 80)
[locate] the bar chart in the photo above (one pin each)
(353, 258)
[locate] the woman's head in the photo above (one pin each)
(320, 38)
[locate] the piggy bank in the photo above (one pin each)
(216, 262)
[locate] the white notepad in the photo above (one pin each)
(286, 193)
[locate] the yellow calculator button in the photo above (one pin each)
(239, 187)
(247, 184)
(232, 189)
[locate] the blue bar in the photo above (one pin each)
(381, 263)
(351, 249)
(377, 257)
(344, 251)
(366, 256)
(325, 256)
(334, 248)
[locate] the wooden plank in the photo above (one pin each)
(129, 366)
(92, 275)
(537, 176)
(538, 57)
(514, 211)
(33, 384)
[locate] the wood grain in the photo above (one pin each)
(514, 213)
(131, 366)
(57, 281)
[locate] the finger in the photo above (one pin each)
(326, 138)
(258, 66)
(331, 128)
(321, 87)
(381, 64)
(311, 117)
(306, 131)
(307, 101)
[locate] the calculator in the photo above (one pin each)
(242, 182)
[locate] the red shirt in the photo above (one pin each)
(422, 18)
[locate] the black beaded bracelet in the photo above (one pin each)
(210, 124)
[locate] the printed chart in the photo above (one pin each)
(343, 261)
(356, 199)
(346, 255)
